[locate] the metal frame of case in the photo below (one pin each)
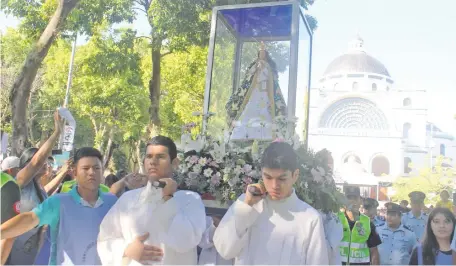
(297, 14)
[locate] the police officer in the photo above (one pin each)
(360, 240)
(370, 209)
(416, 219)
(404, 205)
(397, 240)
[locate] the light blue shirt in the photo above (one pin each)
(378, 221)
(417, 225)
(397, 245)
(50, 213)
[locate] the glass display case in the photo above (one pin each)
(258, 73)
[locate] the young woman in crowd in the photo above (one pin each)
(435, 248)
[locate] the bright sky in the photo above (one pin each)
(414, 39)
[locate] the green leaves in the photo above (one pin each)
(429, 181)
(84, 18)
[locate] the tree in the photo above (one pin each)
(429, 181)
(110, 91)
(177, 24)
(14, 48)
(34, 15)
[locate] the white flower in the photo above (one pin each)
(233, 181)
(183, 168)
(192, 175)
(227, 170)
(321, 170)
(247, 168)
(253, 173)
(197, 168)
(317, 176)
(237, 170)
(202, 161)
(208, 172)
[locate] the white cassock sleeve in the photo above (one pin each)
(317, 251)
(183, 221)
(334, 234)
(111, 243)
(206, 240)
(232, 234)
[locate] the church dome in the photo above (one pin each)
(356, 60)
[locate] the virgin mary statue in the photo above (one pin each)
(253, 108)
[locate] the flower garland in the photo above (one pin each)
(222, 172)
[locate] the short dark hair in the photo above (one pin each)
(86, 152)
(111, 179)
(121, 173)
(404, 202)
(280, 155)
(445, 192)
(164, 141)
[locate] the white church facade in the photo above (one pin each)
(373, 130)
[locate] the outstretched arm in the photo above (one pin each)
(19, 225)
(6, 246)
(27, 173)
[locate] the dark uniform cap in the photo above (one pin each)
(369, 203)
(352, 191)
(417, 196)
(393, 207)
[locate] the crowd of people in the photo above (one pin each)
(78, 217)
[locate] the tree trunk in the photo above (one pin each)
(20, 92)
(154, 90)
(139, 157)
(109, 149)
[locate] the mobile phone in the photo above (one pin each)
(159, 184)
(255, 191)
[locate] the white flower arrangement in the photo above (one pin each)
(220, 171)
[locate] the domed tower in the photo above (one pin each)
(355, 112)
(361, 69)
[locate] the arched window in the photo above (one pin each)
(405, 130)
(380, 166)
(374, 87)
(336, 86)
(355, 86)
(407, 102)
(352, 158)
(407, 162)
(442, 149)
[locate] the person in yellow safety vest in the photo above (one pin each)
(11, 197)
(360, 240)
(68, 186)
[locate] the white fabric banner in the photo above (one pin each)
(69, 129)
